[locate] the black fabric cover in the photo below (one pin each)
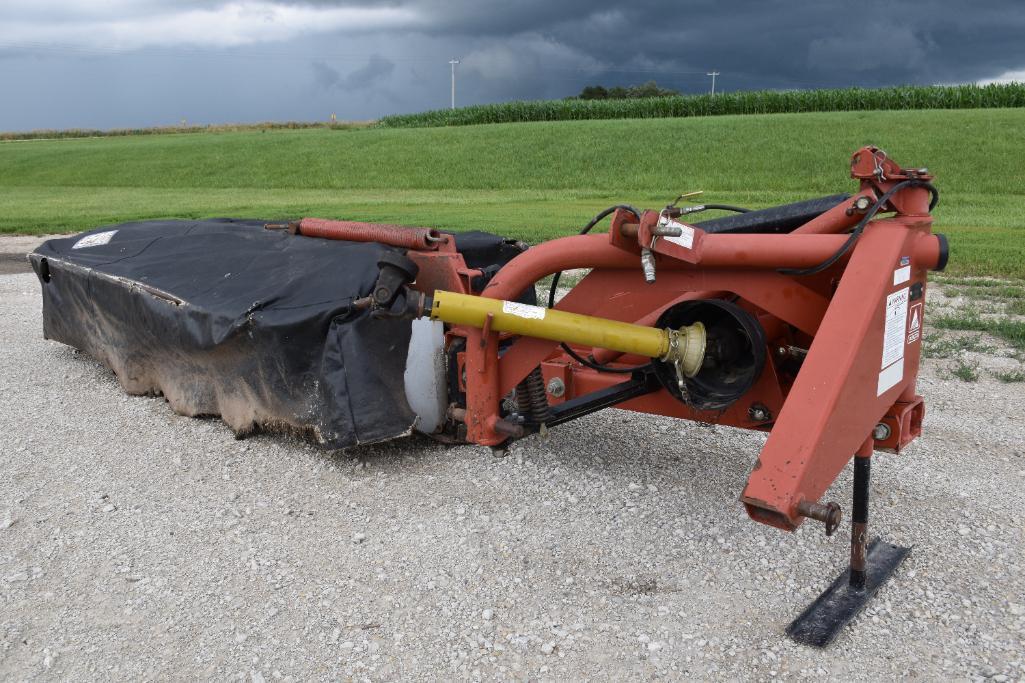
(226, 318)
(775, 219)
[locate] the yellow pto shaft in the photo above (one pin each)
(684, 347)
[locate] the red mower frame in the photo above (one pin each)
(840, 302)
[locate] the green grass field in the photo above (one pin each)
(528, 180)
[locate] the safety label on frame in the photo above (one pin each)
(894, 334)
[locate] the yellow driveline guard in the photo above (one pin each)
(685, 346)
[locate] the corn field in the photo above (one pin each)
(741, 102)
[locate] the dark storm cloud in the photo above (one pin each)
(147, 58)
(376, 70)
(755, 43)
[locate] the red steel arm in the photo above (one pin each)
(834, 404)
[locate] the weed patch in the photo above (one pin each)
(1010, 376)
(965, 371)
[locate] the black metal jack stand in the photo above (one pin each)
(871, 565)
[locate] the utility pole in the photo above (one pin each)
(713, 74)
(453, 63)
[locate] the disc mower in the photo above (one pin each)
(803, 321)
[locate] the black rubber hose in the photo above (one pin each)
(595, 366)
(583, 231)
(555, 285)
(869, 215)
(727, 207)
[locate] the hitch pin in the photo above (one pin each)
(647, 253)
(828, 514)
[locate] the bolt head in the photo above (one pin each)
(862, 203)
(556, 387)
(881, 432)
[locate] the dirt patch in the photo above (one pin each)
(13, 263)
(14, 249)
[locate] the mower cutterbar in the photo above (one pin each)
(801, 321)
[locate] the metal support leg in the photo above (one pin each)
(859, 521)
(870, 567)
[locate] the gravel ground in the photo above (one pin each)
(135, 544)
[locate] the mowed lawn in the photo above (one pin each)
(528, 180)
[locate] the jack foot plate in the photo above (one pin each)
(820, 623)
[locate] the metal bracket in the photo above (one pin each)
(641, 384)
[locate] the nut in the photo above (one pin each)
(556, 387)
(759, 413)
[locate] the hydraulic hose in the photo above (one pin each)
(555, 286)
(860, 228)
(726, 207)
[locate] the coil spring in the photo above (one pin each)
(532, 399)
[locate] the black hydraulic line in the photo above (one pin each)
(869, 215)
(555, 285)
(596, 366)
(726, 207)
(583, 231)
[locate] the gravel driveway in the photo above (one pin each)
(135, 544)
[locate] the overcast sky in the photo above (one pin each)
(115, 63)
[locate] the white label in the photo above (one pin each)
(94, 240)
(686, 238)
(901, 275)
(523, 310)
(889, 378)
(893, 341)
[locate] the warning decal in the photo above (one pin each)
(894, 333)
(915, 323)
(896, 319)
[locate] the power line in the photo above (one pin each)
(713, 74)
(452, 63)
